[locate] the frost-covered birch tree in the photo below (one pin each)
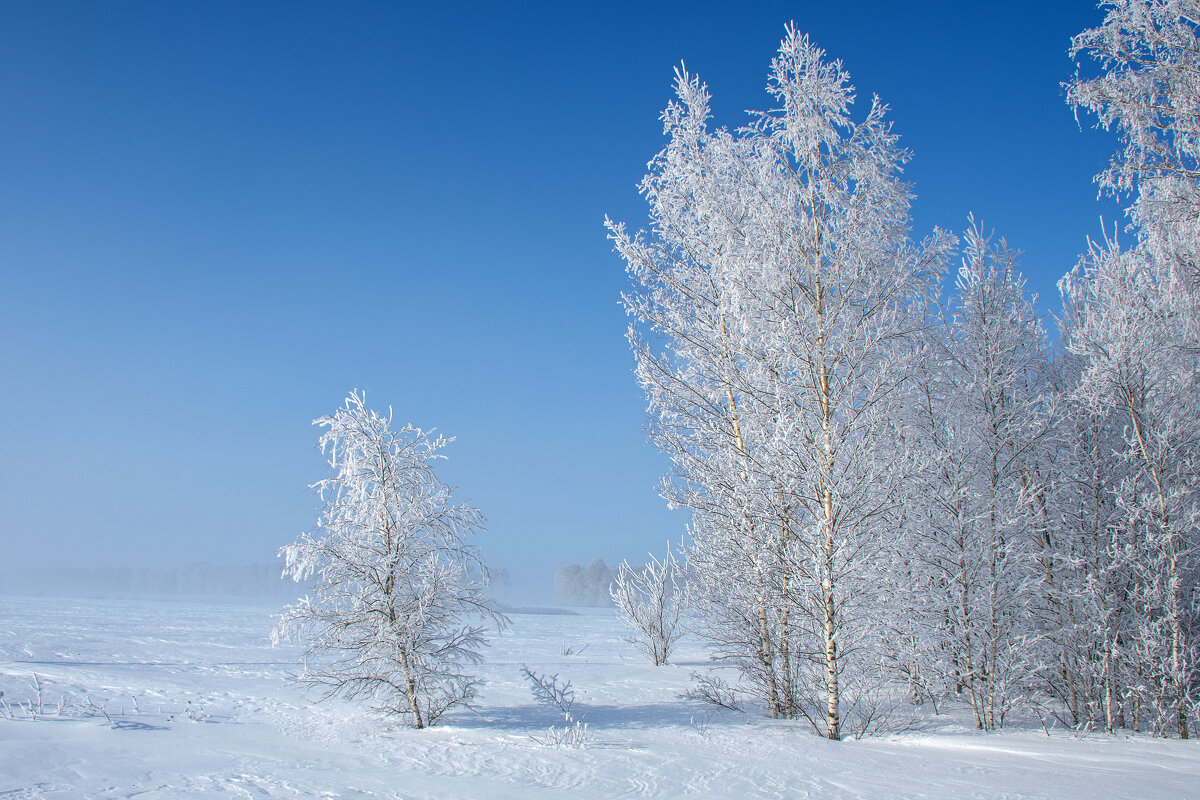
(1094, 551)
(982, 425)
(1129, 337)
(695, 376)
(397, 612)
(775, 301)
(1148, 90)
(1138, 337)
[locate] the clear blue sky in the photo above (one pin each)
(217, 218)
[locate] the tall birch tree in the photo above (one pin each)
(775, 300)
(1138, 333)
(984, 424)
(1129, 337)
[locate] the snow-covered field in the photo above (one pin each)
(166, 698)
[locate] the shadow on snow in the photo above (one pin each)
(533, 718)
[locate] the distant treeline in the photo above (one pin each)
(576, 585)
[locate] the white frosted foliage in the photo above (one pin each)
(397, 613)
(651, 601)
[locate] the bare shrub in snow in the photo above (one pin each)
(398, 609)
(651, 601)
(569, 649)
(714, 690)
(574, 733)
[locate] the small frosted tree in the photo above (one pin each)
(398, 610)
(651, 601)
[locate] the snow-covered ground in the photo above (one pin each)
(167, 698)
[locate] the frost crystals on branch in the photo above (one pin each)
(398, 610)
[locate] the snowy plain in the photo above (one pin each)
(167, 698)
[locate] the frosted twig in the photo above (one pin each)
(549, 691)
(37, 687)
(91, 706)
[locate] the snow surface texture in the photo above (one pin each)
(164, 698)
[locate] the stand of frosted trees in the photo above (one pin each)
(894, 494)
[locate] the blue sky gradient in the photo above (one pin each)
(217, 218)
